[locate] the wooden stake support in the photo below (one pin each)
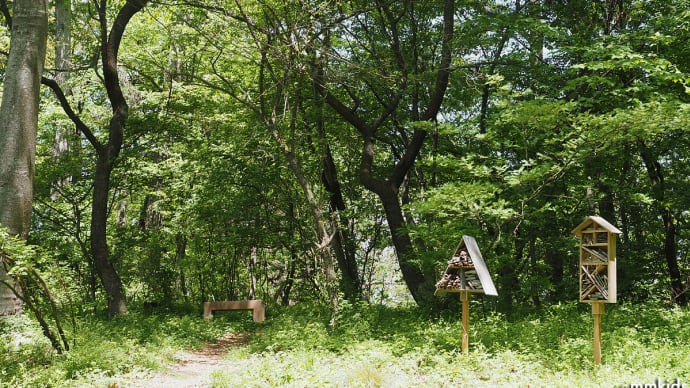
(466, 273)
(465, 299)
(597, 312)
(597, 270)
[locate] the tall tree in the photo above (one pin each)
(63, 37)
(656, 173)
(395, 47)
(107, 152)
(18, 125)
(279, 107)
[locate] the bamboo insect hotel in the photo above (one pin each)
(597, 270)
(466, 274)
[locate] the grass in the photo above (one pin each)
(103, 352)
(381, 347)
(372, 346)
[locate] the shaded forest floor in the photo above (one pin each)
(372, 346)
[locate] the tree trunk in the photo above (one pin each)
(321, 224)
(180, 255)
(63, 39)
(387, 188)
(508, 280)
(343, 241)
(253, 259)
(99, 245)
(109, 152)
(269, 111)
(671, 256)
(18, 126)
(534, 270)
(670, 250)
(414, 278)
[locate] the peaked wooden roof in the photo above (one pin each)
(597, 220)
(479, 265)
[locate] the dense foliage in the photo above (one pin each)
(334, 152)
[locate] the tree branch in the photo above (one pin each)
(62, 99)
(6, 12)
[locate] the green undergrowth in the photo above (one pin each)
(103, 352)
(387, 347)
(370, 346)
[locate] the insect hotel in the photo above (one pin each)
(597, 272)
(466, 274)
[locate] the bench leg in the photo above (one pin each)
(258, 313)
(208, 313)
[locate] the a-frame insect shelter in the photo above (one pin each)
(466, 274)
(597, 269)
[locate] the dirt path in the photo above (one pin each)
(195, 369)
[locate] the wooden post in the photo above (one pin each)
(597, 312)
(465, 298)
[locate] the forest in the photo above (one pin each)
(327, 157)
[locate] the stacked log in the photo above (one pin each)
(449, 282)
(462, 259)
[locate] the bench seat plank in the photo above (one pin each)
(257, 306)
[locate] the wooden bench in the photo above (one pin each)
(257, 306)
